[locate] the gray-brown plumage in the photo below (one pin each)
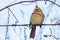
(36, 18)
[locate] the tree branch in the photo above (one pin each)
(24, 2)
(29, 24)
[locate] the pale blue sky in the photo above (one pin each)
(23, 14)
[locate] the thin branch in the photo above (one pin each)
(6, 35)
(13, 15)
(15, 19)
(24, 2)
(52, 35)
(29, 24)
(54, 3)
(14, 4)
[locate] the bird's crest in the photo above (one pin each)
(37, 9)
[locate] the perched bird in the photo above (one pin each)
(37, 17)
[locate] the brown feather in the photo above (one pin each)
(32, 34)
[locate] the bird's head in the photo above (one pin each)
(37, 9)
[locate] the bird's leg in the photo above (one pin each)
(40, 26)
(30, 25)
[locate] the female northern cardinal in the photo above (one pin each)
(36, 18)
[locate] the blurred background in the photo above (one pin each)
(21, 14)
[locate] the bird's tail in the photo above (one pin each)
(32, 34)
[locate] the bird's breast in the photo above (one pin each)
(36, 19)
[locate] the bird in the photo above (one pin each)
(37, 17)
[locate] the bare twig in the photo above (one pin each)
(15, 4)
(52, 35)
(29, 24)
(6, 35)
(23, 2)
(54, 3)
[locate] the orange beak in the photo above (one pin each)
(35, 10)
